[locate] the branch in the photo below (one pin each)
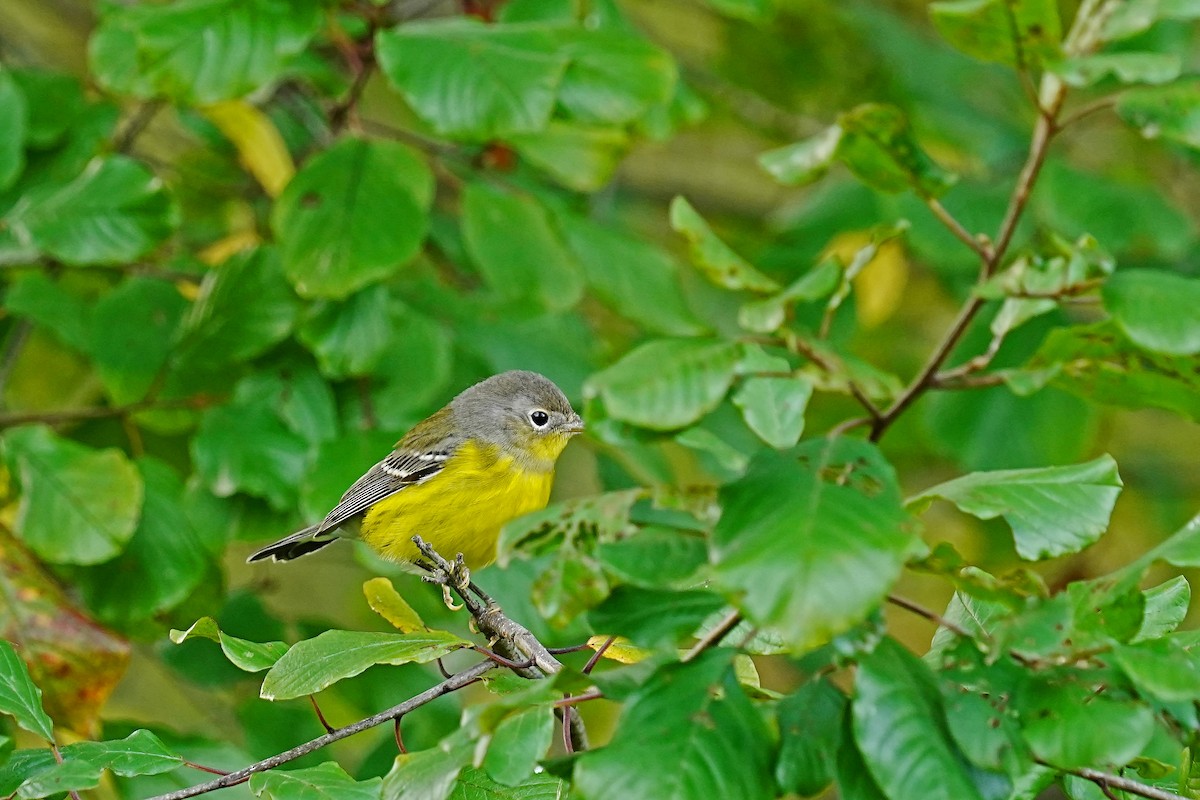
(932, 616)
(983, 250)
(136, 125)
(452, 684)
(1106, 780)
(101, 412)
(1055, 92)
(508, 634)
(714, 637)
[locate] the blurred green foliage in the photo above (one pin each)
(808, 268)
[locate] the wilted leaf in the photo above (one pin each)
(385, 601)
(74, 661)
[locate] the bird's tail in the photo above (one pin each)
(300, 543)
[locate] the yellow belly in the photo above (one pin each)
(459, 510)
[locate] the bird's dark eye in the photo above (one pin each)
(539, 418)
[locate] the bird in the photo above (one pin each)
(455, 478)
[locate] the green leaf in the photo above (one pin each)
(39, 298)
(511, 239)
(578, 157)
(245, 655)
(568, 524)
(877, 144)
(636, 279)
(245, 307)
(313, 664)
(78, 505)
(244, 447)
(688, 732)
(349, 337)
(1021, 33)
(1156, 310)
(199, 51)
(139, 753)
(114, 212)
(570, 585)
(1161, 668)
(55, 779)
(19, 696)
(131, 331)
(668, 383)
(654, 617)
(1052, 510)
(1170, 112)
(1133, 17)
(326, 780)
(805, 161)
(508, 74)
(1071, 726)
(338, 464)
(163, 562)
(810, 733)
(752, 10)
(1100, 364)
(14, 127)
(613, 78)
(353, 215)
(60, 104)
(474, 784)
(1166, 606)
(773, 408)
(716, 260)
(654, 557)
(518, 743)
(429, 774)
(407, 387)
(1125, 67)
(808, 544)
(768, 314)
(899, 727)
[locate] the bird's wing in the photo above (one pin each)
(421, 454)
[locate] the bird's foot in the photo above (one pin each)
(448, 599)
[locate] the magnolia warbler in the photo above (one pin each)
(456, 478)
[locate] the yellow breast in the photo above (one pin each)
(459, 510)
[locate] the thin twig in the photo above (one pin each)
(951, 222)
(454, 683)
(101, 412)
(136, 125)
(320, 716)
(1087, 110)
(595, 659)
(932, 616)
(1103, 779)
(17, 338)
(714, 636)
(583, 697)
(202, 768)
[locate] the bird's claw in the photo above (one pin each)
(449, 600)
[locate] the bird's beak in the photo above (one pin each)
(574, 425)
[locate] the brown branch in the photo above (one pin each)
(1104, 779)
(932, 616)
(1039, 146)
(452, 684)
(136, 125)
(101, 412)
(714, 636)
(982, 249)
(512, 639)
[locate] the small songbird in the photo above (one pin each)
(456, 478)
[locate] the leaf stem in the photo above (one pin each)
(714, 636)
(1108, 781)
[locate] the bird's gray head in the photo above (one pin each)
(521, 412)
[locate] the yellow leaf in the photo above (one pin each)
(621, 650)
(222, 249)
(879, 286)
(385, 601)
(261, 150)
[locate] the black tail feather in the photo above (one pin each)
(300, 543)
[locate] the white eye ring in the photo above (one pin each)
(539, 418)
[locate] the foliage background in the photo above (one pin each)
(221, 347)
